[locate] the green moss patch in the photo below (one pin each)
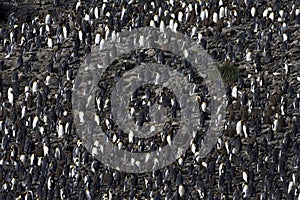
(229, 72)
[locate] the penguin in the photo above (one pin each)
(34, 88)
(180, 16)
(97, 39)
(78, 5)
(102, 44)
(181, 190)
(215, 17)
(234, 92)
(239, 127)
(10, 95)
(56, 3)
(50, 42)
(81, 35)
(204, 107)
(60, 129)
(96, 12)
(48, 19)
(297, 16)
(248, 56)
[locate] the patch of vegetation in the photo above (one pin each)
(229, 72)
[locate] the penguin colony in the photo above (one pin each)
(256, 157)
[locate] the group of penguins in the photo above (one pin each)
(257, 155)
